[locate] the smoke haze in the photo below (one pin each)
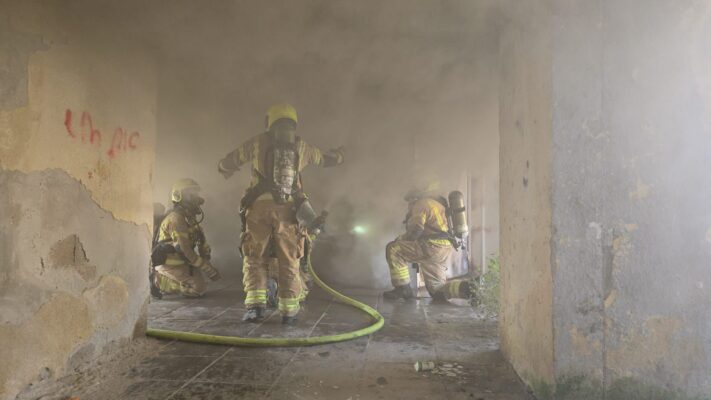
(404, 88)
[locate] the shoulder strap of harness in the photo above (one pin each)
(440, 234)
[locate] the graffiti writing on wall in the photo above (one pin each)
(81, 127)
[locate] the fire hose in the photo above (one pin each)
(283, 341)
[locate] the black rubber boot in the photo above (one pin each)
(288, 320)
(155, 291)
(439, 298)
(272, 293)
(407, 292)
(400, 292)
(255, 314)
(469, 291)
(466, 290)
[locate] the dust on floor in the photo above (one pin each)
(461, 343)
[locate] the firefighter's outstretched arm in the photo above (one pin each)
(314, 156)
(236, 158)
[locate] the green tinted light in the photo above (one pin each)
(359, 230)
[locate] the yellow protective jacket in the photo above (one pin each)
(185, 234)
(255, 150)
(427, 218)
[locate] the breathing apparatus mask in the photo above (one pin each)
(283, 131)
(193, 202)
(186, 194)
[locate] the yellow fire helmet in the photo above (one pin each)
(279, 111)
(177, 193)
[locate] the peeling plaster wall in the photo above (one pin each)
(525, 320)
(83, 108)
(632, 142)
(77, 123)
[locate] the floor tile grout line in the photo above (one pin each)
(257, 326)
(433, 337)
(190, 303)
(232, 382)
(193, 301)
(323, 314)
(203, 322)
(378, 303)
(272, 388)
(196, 328)
(189, 381)
(296, 353)
(200, 325)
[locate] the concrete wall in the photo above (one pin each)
(403, 85)
(525, 321)
(77, 123)
(630, 189)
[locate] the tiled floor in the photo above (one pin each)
(375, 367)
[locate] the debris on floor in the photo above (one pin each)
(461, 356)
(421, 366)
(451, 370)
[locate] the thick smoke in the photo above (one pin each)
(404, 86)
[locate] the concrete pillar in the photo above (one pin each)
(77, 123)
(525, 162)
(606, 142)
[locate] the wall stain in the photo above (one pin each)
(641, 191)
(36, 344)
(69, 253)
(15, 51)
(579, 387)
(657, 342)
(108, 302)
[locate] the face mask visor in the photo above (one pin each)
(284, 131)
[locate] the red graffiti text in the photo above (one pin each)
(121, 142)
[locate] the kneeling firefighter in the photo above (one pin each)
(177, 267)
(270, 206)
(428, 241)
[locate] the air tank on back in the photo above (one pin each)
(458, 212)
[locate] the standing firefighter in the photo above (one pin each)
(427, 241)
(179, 268)
(269, 209)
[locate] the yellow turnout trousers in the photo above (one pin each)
(178, 279)
(431, 256)
(272, 224)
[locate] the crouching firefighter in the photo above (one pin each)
(269, 209)
(429, 241)
(178, 268)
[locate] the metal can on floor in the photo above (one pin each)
(421, 366)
